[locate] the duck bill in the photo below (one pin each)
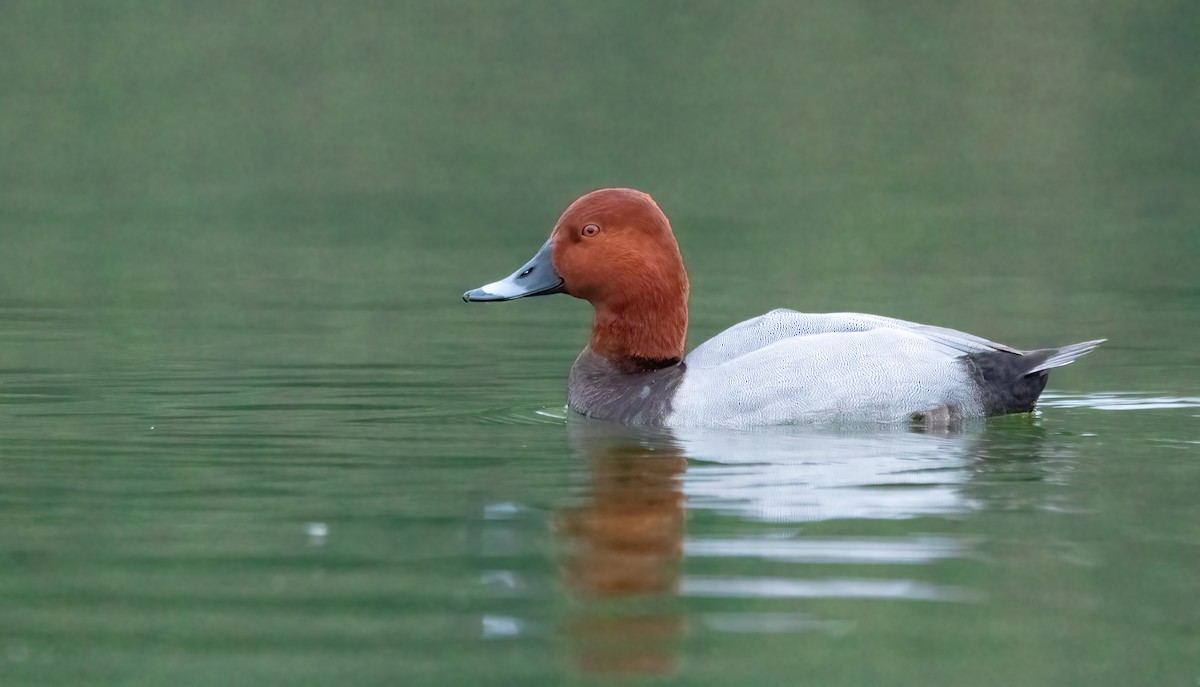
(535, 278)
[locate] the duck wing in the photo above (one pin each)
(777, 325)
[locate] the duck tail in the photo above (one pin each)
(1063, 356)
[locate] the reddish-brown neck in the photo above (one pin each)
(647, 329)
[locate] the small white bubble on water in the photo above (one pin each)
(506, 579)
(500, 626)
(500, 511)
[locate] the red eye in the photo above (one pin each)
(590, 230)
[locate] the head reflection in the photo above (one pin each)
(625, 542)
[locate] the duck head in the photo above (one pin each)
(615, 249)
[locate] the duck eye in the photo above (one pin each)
(590, 230)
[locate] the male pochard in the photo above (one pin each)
(615, 248)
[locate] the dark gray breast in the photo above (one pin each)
(631, 392)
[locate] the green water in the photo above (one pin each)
(250, 435)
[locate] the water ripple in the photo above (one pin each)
(1118, 400)
(775, 623)
(832, 588)
(856, 550)
(524, 415)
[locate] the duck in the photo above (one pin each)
(615, 248)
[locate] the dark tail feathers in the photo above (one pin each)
(1012, 382)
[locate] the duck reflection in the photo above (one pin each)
(624, 545)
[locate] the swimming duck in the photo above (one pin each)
(614, 248)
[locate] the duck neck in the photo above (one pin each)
(643, 334)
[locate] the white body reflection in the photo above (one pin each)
(790, 474)
(794, 474)
(628, 537)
